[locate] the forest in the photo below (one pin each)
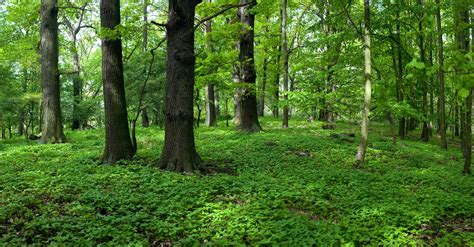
(236, 122)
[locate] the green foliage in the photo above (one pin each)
(266, 193)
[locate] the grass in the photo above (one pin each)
(292, 187)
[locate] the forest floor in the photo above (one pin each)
(293, 187)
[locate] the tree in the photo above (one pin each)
(118, 145)
(145, 118)
(77, 80)
(52, 130)
(211, 113)
(360, 157)
(179, 152)
(285, 61)
(441, 93)
(425, 135)
(248, 99)
(466, 110)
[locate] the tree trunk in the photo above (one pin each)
(425, 134)
(276, 99)
(401, 123)
(179, 152)
(249, 117)
(22, 117)
(360, 157)
(466, 111)
(261, 101)
(52, 130)
(285, 62)
(118, 145)
(237, 95)
(145, 117)
(441, 97)
(211, 116)
(77, 86)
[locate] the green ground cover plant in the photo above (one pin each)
(292, 187)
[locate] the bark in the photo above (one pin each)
(52, 128)
(441, 96)
(76, 80)
(22, 117)
(276, 99)
(118, 144)
(145, 117)
(217, 100)
(360, 157)
(425, 135)
(466, 112)
(261, 100)
(401, 124)
(211, 116)
(249, 117)
(237, 96)
(285, 62)
(179, 152)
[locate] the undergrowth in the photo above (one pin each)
(292, 187)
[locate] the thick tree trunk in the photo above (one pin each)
(285, 62)
(441, 97)
(466, 111)
(211, 116)
(179, 152)
(360, 157)
(118, 145)
(249, 117)
(52, 128)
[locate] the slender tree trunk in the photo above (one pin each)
(261, 102)
(145, 117)
(211, 116)
(22, 117)
(360, 157)
(249, 117)
(285, 62)
(217, 100)
(425, 135)
(77, 86)
(456, 120)
(237, 95)
(118, 145)
(276, 99)
(401, 123)
(52, 130)
(441, 97)
(179, 152)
